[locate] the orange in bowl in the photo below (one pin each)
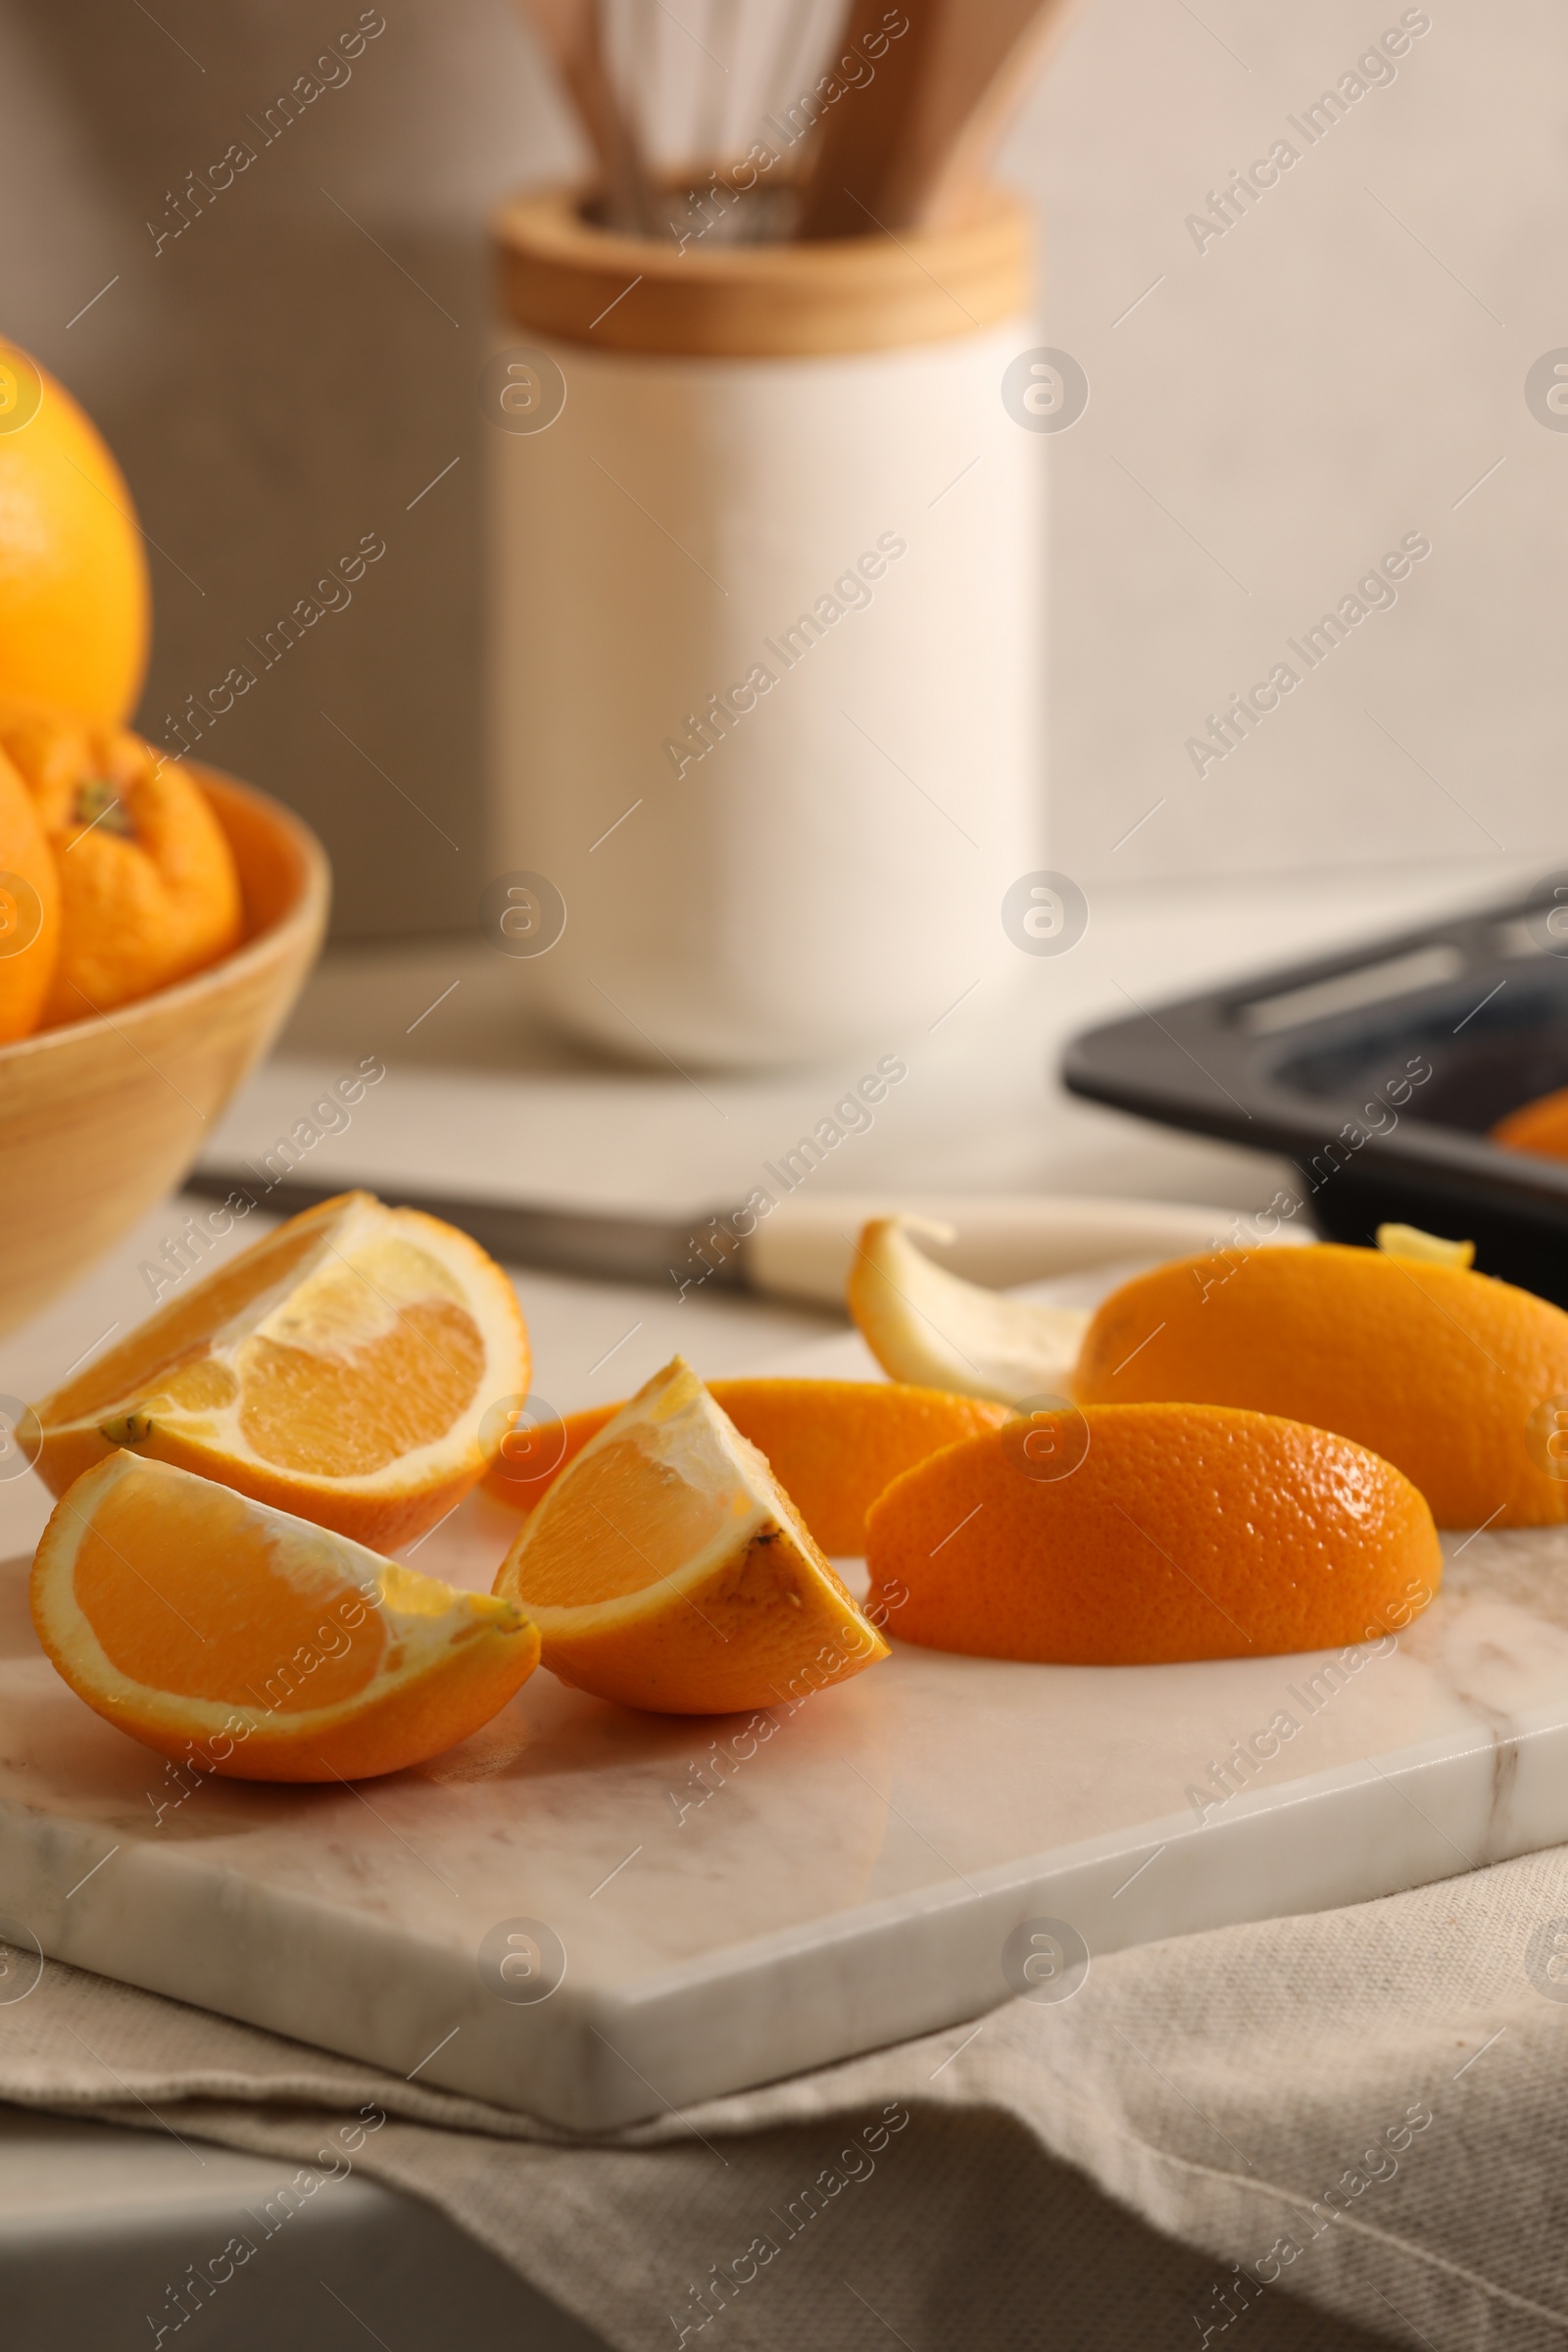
(1162, 1532)
(1447, 1374)
(102, 1117)
(247, 1643)
(74, 603)
(29, 908)
(148, 887)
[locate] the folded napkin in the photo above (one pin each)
(1354, 2124)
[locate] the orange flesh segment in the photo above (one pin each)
(344, 1417)
(323, 1410)
(594, 1557)
(175, 1625)
(186, 1331)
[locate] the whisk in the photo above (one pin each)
(804, 117)
(724, 95)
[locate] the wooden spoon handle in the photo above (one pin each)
(907, 149)
(846, 190)
(944, 164)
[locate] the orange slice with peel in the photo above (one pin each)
(248, 1642)
(340, 1368)
(668, 1569)
(832, 1445)
(1459, 1379)
(1144, 1534)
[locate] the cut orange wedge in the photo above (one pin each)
(244, 1641)
(667, 1568)
(340, 1368)
(833, 1444)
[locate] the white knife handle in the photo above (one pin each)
(804, 1248)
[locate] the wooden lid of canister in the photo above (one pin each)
(566, 280)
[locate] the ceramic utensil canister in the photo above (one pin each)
(767, 637)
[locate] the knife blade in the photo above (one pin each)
(605, 1245)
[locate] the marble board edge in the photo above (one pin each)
(589, 2059)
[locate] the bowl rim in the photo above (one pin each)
(305, 917)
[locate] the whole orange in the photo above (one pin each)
(1458, 1379)
(148, 889)
(75, 600)
(1178, 1530)
(29, 908)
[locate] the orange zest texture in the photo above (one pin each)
(247, 1643)
(833, 1444)
(1445, 1373)
(668, 1569)
(1177, 1532)
(341, 1368)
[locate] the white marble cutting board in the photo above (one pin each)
(730, 1908)
(852, 1882)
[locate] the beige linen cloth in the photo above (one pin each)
(1354, 2124)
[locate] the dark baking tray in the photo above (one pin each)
(1324, 1062)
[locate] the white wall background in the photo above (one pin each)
(1344, 366)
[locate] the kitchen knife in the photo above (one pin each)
(803, 1250)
